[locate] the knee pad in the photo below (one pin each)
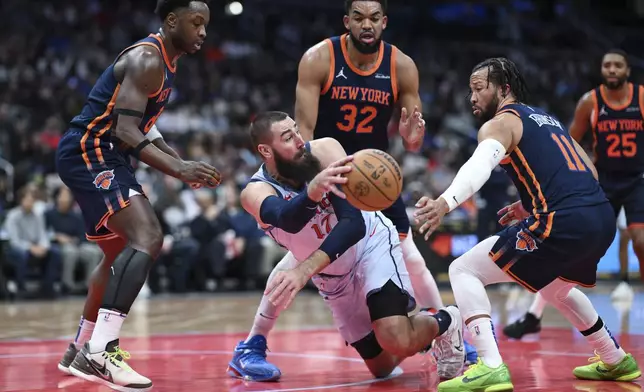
(128, 274)
(389, 300)
(368, 347)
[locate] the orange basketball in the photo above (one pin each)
(375, 181)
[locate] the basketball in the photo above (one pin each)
(375, 181)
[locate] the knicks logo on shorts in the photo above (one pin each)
(525, 242)
(103, 180)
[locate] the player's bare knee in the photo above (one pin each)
(637, 235)
(393, 335)
(148, 239)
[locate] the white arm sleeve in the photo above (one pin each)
(474, 173)
(153, 134)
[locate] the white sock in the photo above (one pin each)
(537, 306)
(107, 329)
(85, 329)
(265, 319)
(606, 346)
(484, 339)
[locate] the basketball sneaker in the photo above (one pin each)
(623, 292)
(68, 358)
(449, 348)
(249, 361)
(108, 367)
(626, 370)
(527, 325)
(480, 377)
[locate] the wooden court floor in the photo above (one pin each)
(183, 343)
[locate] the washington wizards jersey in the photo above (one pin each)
(309, 239)
(545, 166)
(618, 132)
(96, 119)
(355, 105)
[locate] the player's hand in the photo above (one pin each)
(411, 127)
(202, 173)
(284, 286)
(328, 178)
(430, 213)
(512, 213)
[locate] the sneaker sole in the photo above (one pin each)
(97, 380)
(64, 369)
(233, 372)
(625, 378)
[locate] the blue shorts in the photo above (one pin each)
(397, 213)
(101, 180)
(566, 244)
(625, 191)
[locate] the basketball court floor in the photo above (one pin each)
(184, 344)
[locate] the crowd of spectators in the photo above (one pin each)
(52, 52)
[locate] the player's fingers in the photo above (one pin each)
(336, 191)
(403, 114)
(427, 209)
(505, 219)
(422, 201)
(503, 210)
(277, 279)
(334, 171)
(341, 162)
(276, 295)
(290, 298)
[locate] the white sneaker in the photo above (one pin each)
(623, 292)
(449, 348)
(109, 368)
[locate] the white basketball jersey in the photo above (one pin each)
(309, 239)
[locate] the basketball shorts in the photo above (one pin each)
(346, 296)
(627, 192)
(101, 180)
(397, 213)
(565, 244)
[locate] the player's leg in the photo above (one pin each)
(469, 274)
(111, 248)
(101, 359)
(611, 363)
(623, 291)
(252, 351)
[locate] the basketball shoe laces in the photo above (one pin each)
(118, 358)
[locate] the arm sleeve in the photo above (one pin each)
(288, 215)
(474, 173)
(347, 232)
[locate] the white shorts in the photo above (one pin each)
(621, 220)
(346, 296)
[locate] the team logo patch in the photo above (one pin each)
(103, 180)
(525, 242)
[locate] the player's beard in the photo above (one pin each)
(364, 48)
(489, 111)
(299, 171)
(615, 85)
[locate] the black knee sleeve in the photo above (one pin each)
(368, 347)
(127, 276)
(388, 301)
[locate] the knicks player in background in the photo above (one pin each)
(353, 257)
(614, 112)
(349, 88)
(116, 122)
(553, 248)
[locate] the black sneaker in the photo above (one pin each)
(68, 358)
(529, 324)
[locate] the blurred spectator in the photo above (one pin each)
(29, 244)
(68, 232)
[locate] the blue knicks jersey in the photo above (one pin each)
(96, 118)
(618, 132)
(355, 105)
(545, 166)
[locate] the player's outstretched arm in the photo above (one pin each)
(312, 76)
(496, 138)
(411, 125)
(143, 74)
(582, 120)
